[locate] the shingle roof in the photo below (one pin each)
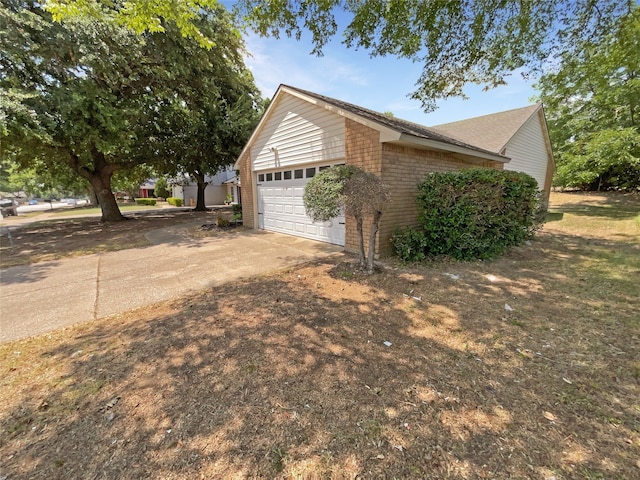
(402, 126)
(490, 132)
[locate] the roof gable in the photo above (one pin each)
(490, 132)
(390, 128)
(402, 127)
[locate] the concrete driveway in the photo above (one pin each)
(42, 297)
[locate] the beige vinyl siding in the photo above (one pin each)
(528, 151)
(300, 133)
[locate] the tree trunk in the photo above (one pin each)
(372, 241)
(100, 179)
(200, 204)
(363, 263)
(106, 199)
(93, 198)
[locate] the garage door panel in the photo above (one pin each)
(281, 209)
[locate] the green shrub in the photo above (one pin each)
(472, 214)
(161, 188)
(236, 208)
(409, 244)
(177, 202)
(222, 222)
(145, 201)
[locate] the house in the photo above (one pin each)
(301, 133)
(520, 134)
(147, 189)
(222, 187)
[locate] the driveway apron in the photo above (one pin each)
(43, 297)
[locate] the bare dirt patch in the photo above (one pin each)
(522, 367)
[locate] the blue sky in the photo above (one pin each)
(380, 83)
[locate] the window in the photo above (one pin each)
(298, 173)
(269, 177)
(324, 167)
(287, 175)
(277, 176)
(261, 177)
(311, 172)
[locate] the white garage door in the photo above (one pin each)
(281, 209)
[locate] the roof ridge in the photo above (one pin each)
(533, 106)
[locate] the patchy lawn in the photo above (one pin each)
(53, 239)
(523, 367)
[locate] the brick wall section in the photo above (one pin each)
(248, 192)
(402, 169)
(362, 149)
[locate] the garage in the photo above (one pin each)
(302, 132)
(281, 207)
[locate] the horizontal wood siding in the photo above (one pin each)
(528, 151)
(300, 133)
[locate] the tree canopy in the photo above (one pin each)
(86, 95)
(592, 101)
(456, 42)
(201, 124)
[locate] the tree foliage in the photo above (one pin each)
(91, 97)
(358, 193)
(140, 15)
(456, 42)
(201, 121)
(592, 101)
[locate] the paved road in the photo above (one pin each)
(42, 297)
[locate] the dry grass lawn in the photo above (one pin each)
(526, 367)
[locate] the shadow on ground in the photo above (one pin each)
(289, 376)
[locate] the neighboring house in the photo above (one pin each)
(519, 134)
(303, 132)
(220, 187)
(147, 189)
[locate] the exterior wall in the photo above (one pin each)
(298, 132)
(249, 199)
(362, 149)
(403, 168)
(530, 153)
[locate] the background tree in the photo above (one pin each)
(89, 95)
(358, 193)
(202, 123)
(209, 104)
(162, 188)
(79, 87)
(592, 104)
